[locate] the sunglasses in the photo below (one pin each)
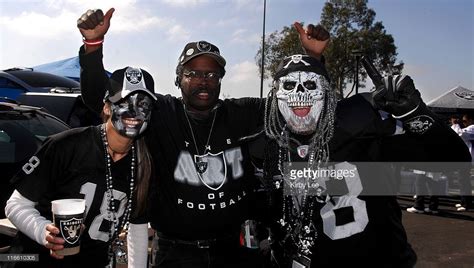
(194, 75)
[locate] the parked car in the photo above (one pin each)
(67, 105)
(15, 81)
(22, 131)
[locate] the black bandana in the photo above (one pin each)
(300, 63)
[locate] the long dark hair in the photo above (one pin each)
(144, 171)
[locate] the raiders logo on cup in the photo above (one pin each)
(71, 229)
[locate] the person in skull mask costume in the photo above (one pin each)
(306, 125)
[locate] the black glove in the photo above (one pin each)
(398, 96)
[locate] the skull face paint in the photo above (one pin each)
(130, 116)
(300, 100)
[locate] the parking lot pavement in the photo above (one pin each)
(443, 240)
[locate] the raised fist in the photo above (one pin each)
(94, 24)
(398, 96)
(314, 39)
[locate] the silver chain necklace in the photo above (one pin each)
(117, 252)
(200, 165)
(297, 214)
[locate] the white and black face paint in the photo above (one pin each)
(300, 100)
(130, 116)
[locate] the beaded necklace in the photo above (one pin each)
(297, 211)
(199, 164)
(297, 215)
(117, 253)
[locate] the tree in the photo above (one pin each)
(352, 28)
(277, 46)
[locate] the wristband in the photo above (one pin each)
(405, 115)
(93, 42)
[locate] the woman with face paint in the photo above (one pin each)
(107, 165)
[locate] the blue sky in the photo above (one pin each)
(435, 38)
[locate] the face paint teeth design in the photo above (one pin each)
(300, 99)
(132, 122)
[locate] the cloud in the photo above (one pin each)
(184, 3)
(40, 25)
(235, 4)
(83, 5)
(58, 18)
(243, 80)
(128, 23)
(243, 71)
(249, 4)
(177, 33)
(227, 22)
(242, 36)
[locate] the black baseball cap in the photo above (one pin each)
(300, 62)
(128, 80)
(194, 49)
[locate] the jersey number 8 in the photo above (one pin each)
(88, 189)
(351, 199)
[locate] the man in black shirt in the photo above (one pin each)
(204, 184)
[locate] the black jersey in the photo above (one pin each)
(71, 164)
(363, 230)
(195, 195)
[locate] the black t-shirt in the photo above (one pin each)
(184, 203)
(71, 164)
(189, 204)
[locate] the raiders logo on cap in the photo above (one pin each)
(203, 46)
(127, 80)
(195, 49)
(134, 76)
